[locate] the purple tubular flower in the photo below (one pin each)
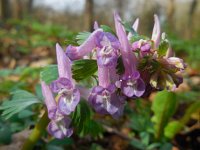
(60, 128)
(135, 27)
(131, 83)
(129, 59)
(59, 125)
(64, 64)
(103, 97)
(108, 49)
(49, 100)
(106, 45)
(156, 32)
(142, 45)
(78, 52)
(69, 96)
(177, 62)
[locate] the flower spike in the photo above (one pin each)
(131, 84)
(64, 86)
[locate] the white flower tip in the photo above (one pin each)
(156, 31)
(136, 24)
(96, 25)
(116, 16)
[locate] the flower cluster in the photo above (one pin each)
(148, 64)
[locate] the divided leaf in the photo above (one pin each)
(21, 99)
(83, 69)
(82, 120)
(128, 27)
(107, 29)
(82, 36)
(49, 73)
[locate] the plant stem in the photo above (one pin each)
(36, 133)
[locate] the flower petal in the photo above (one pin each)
(96, 25)
(129, 59)
(156, 31)
(68, 102)
(49, 100)
(60, 84)
(103, 76)
(64, 64)
(60, 129)
(140, 88)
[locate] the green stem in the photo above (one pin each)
(36, 133)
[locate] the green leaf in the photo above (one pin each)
(137, 144)
(5, 133)
(49, 73)
(153, 146)
(145, 137)
(5, 72)
(107, 29)
(164, 106)
(190, 110)
(83, 69)
(129, 28)
(172, 128)
(163, 47)
(58, 142)
(82, 120)
(82, 36)
(71, 42)
(166, 146)
(96, 146)
(175, 126)
(21, 99)
(25, 113)
(92, 128)
(137, 37)
(81, 115)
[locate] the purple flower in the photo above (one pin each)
(68, 95)
(106, 45)
(49, 100)
(60, 128)
(131, 84)
(78, 52)
(142, 45)
(103, 98)
(59, 124)
(107, 49)
(177, 62)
